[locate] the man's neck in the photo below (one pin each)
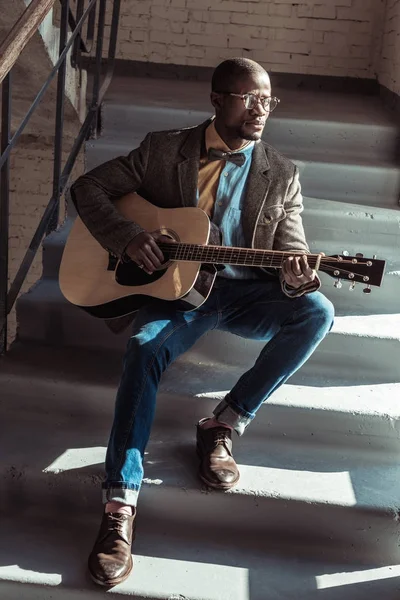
(232, 143)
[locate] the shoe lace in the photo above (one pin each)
(115, 522)
(221, 438)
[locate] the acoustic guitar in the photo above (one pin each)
(106, 287)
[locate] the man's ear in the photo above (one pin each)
(216, 100)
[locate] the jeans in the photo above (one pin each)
(255, 309)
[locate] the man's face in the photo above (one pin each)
(233, 118)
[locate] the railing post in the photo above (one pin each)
(4, 209)
(99, 55)
(49, 220)
(58, 145)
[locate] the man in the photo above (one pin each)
(252, 194)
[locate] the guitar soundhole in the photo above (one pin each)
(129, 274)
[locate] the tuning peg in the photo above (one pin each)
(367, 290)
(345, 253)
(374, 257)
(338, 284)
(352, 287)
(359, 255)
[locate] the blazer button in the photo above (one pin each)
(267, 219)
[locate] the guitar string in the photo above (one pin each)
(187, 252)
(269, 261)
(258, 261)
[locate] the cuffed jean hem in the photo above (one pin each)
(123, 495)
(225, 413)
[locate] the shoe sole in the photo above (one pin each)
(114, 581)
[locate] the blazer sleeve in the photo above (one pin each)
(93, 195)
(290, 236)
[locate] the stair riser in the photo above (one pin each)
(370, 186)
(333, 231)
(317, 425)
(350, 359)
(296, 137)
(356, 360)
(383, 300)
(337, 528)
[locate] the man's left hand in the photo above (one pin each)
(297, 272)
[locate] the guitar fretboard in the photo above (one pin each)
(227, 255)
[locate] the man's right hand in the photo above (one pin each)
(144, 251)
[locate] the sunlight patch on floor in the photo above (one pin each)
(340, 579)
(18, 574)
(77, 458)
(172, 578)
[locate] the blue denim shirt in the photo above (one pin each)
(228, 211)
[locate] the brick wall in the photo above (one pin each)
(389, 70)
(31, 177)
(31, 163)
(329, 37)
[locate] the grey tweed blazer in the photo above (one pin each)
(164, 170)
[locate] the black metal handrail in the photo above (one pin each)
(95, 10)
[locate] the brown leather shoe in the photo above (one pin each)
(217, 466)
(110, 561)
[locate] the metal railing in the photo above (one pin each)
(92, 13)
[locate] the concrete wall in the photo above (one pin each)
(324, 37)
(389, 70)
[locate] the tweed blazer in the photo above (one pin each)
(164, 170)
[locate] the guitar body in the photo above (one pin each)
(108, 288)
(90, 280)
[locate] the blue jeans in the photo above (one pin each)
(291, 327)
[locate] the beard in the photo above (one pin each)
(247, 134)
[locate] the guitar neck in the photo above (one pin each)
(226, 255)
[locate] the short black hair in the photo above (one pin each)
(228, 72)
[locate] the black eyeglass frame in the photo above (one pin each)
(265, 102)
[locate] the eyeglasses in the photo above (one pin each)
(251, 101)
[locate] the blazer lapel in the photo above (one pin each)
(188, 169)
(257, 189)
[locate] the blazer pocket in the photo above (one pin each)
(272, 215)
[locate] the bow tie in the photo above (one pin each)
(238, 158)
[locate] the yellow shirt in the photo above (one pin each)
(209, 172)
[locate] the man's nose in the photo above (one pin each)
(259, 108)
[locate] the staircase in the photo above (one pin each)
(316, 512)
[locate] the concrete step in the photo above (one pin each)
(331, 227)
(367, 182)
(52, 463)
(360, 349)
(359, 417)
(46, 560)
(337, 226)
(305, 124)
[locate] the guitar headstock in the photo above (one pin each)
(354, 269)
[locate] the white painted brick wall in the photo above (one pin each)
(328, 37)
(389, 70)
